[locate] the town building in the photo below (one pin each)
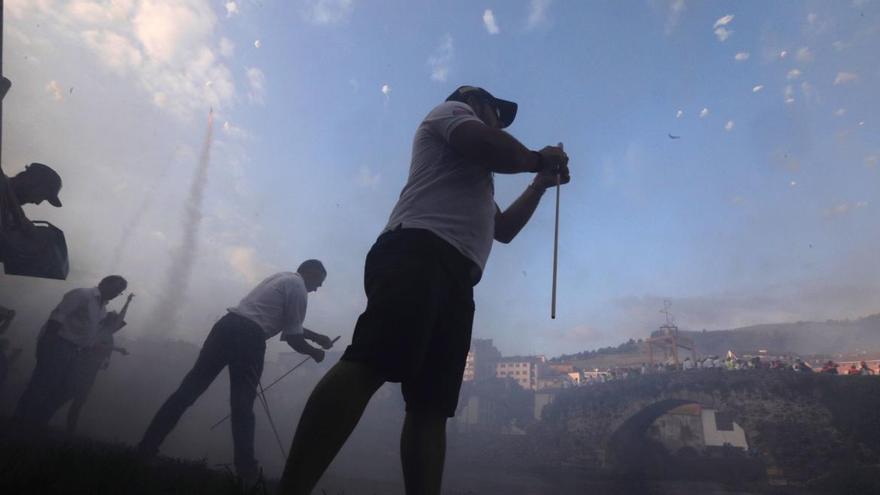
(481, 360)
(697, 428)
(524, 369)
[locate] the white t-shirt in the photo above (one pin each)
(277, 304)
(445, 193)
(80, 313)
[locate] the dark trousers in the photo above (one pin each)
(52, 382)
(236, 342)
(85, 372)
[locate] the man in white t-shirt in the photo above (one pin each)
(238, 340)
(419, 279)
(73, 327)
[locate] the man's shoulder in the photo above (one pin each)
(290, 279)
(451, 109)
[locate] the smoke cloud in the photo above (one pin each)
(181, 267)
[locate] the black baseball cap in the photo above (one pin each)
(506, 109)
(51, 178)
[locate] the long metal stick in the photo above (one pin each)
(555, 245)
(271, 422)
(291, 370)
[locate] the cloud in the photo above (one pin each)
(804, 55)
(845, 77)
(729, 126)
(838, 210)
(367, 178)
(257, 43)
(723, 21)
(704, 113)
(679, 114)
(327, 12)
(792, 183)
(537, 13)
(115, 51)
(723, 34)
(441, 59)
(783, 54)
(386, 90)
(844, 208)
(165, 47)
(676, 7)
(234, 131)
(840, 112)
(812, 17)
(788, 94)
(741, 56)
(489, 22)
(243, 261)
(227, 47)
(793, 74)
(840, 45)
(757, 88)
(55, 90)
(231, 9)
(256, 84)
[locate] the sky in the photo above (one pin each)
(762, 209)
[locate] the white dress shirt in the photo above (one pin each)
(277, 304)
(80, 313)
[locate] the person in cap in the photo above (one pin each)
(418, 278)
(35, 184)
(238, 340)
(73, 328)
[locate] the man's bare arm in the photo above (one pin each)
(497, 150)
(298, 343)
(509, 222)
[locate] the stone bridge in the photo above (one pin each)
(801, 423)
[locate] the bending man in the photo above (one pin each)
(419, 279)
(238, 340)
(73, 328)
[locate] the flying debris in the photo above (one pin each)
(71, 90)
(673, 137)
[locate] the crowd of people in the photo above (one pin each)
(730, 363)
(416, 328)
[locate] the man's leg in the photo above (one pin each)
(423, 451)
(210, 362)
(245, 369)
(48, 387)
(86, 371)
(331, 413)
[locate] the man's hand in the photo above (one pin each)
(554, 162)
(323, 341)
(317, 355)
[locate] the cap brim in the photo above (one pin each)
(55, 202)
(507, 111)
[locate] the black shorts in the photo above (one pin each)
(416, 329)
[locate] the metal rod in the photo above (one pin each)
(271, 421)
(291, 370)
(555, 245)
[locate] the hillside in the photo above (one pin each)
(832, 337)
(829, 337)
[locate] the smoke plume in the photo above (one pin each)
(180, 270)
